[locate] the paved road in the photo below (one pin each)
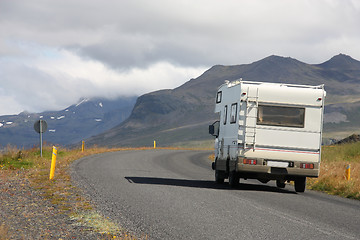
(171, 195)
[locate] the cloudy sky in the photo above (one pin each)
(52, 53)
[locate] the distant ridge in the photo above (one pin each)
(341, 61)
(182, 114)
(68, 126)
(350, 139)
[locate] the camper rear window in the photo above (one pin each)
(233, 113)
(225, 114)
(281, 116)
(218, 97)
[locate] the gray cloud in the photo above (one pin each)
(96, 46)
(137, 33)
(35, 90)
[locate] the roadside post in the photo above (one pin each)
(40, 127)
(53, 163)
(83, 146)
(347, 172)
(154, 144)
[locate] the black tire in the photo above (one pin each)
(280, 183)
(300, 184)
(219, 176)
(234, 179)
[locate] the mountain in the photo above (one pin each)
(350, 139)
(341, 62)
(181, 115)
(71, 125)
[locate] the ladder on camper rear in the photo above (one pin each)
(250, 118)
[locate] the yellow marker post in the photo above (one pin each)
(154, 144)
(83, 146)
(347, 172)
(53, 162)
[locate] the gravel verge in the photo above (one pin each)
(26, 214)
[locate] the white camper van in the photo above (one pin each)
(268, 131)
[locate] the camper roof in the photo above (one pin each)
(237, 82)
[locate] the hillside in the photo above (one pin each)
(73, 124)
(182, 114)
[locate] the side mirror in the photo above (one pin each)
(211, 129)
(214, 129)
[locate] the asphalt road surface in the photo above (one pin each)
(167, 194)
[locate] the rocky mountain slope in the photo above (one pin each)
(182, 114)
(71, 125)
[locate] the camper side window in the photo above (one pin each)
(233, 113)
(225, 114)
(281, 116)
(218, 97)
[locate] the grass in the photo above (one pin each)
(3, 232)
(96, 221)
(334, 160)
(13, 158)
(60, 191)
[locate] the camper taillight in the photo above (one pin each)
(307, 165)
(249, 161)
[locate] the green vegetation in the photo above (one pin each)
(338, 153)
(59, 191)
(14, 159)
(335, 159)
(3, 232)
(96, 221)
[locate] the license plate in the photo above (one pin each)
(277, 164)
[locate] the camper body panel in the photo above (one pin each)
(286, 94)
(269, 130)
(281, 154)
(228, 107)
(277, 139)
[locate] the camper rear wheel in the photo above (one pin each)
(280, 183)
(300, 184)
(234, 179)
(219, 176)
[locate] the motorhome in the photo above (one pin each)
(268, 131)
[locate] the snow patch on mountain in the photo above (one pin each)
(82, 101)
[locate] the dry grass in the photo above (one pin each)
(12, 158)
(96, 221)
(60, 191)
(4, 232)
(334, 160)
(332, 179)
